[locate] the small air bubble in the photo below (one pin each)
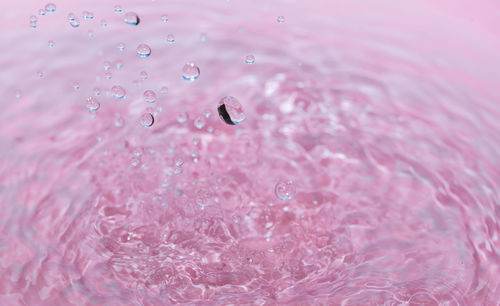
(143, 50)
(171, 38)
(118, 92)
(230, 110)
(104, 23)
(147, 120)
(87, 15)
(164, 18)
(280, 19)
(121, 46)
(97, 91)
(76, 85)
(118, 65)
(92, 104)
(108, 75)
(190, 72)
(164, 90)
(41, 12)
(203, 37)
(91, 34)
(71, 16)
(51, 43)
(118, 9)
(33, 18)
(285, 190)
(107, 65)
(33, 24)
(50, 7)
(182, 117)
(149, 96)
(131, 18)
(144, 75)
(249, 59)
(75, 23)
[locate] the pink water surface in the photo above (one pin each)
(384, 114)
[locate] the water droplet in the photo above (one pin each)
(285, 190)
(144, 75)
(118, 9)
(91, 34)
(33, 18)
(108, 75)
(107, 65)
(92, 104)
(149, 96)
(203, 37)
(76, 85)
(164, 90)
(87, 15)
(164, 18)
(199, 122)
(32, 24)
(280, 19)
(190, 72)
(143, 50)
(121, 46)
(171, 38)
(230, 110)
(131, 18)
(182, 117)
(147, 119)
(249, 59)
(118, 120)
(71, 16)
(118, 92)
(50, 7)
(104, 23)
(208, 113)
(51, 43)
(178, 161)
(75, 23)
(41, 12)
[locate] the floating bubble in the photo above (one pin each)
(33, 18)
(40, 74)
(144, 75)
(75, 23)
(97, 91)
(149, 96)
(285, 190)
(207, 113)
(280, 19)
(164, 90)
(118, 92)
(51, 43)
(107, 65)
(108, 75)
(32, 24)
(93, 104)
(121, 46)
(182, 117)
(231, 111)
(164, 18)
(171, 38)
(71, 16)
(104, 23)
(87, 15)
(50, 7)
(41, 12)
(131, 18)
(190, 72)
(118, 65)
(76, 85)
(147, 120)
(118, 120)
(118, 9)
(91, 34)
(143, 50)
(199, 122)
(249, 59)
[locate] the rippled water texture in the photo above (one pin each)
(366, 170)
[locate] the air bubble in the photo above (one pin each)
(118, 65)
(33, 18)
(107, 65)
(143, 50)
(104, 23)
(164, 18)
(182, 117)
(164, 90)
(108, 75)
(171, 38)
(87, 15)
(199, 122)
(97, 91)
(249, 59)
(120, 46)
(75, 23)
(285, 190)
(71, 16)
(149, 96)
(280, 19)
(118, 9)
(190, 72)
(92, 104)
(91, 34)
(118, 92)
(147, 120)
(131, 18)
(41, 12)
(76, 85)
(50, 7)
(51, 43)
(144, 75)
(230, 110)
